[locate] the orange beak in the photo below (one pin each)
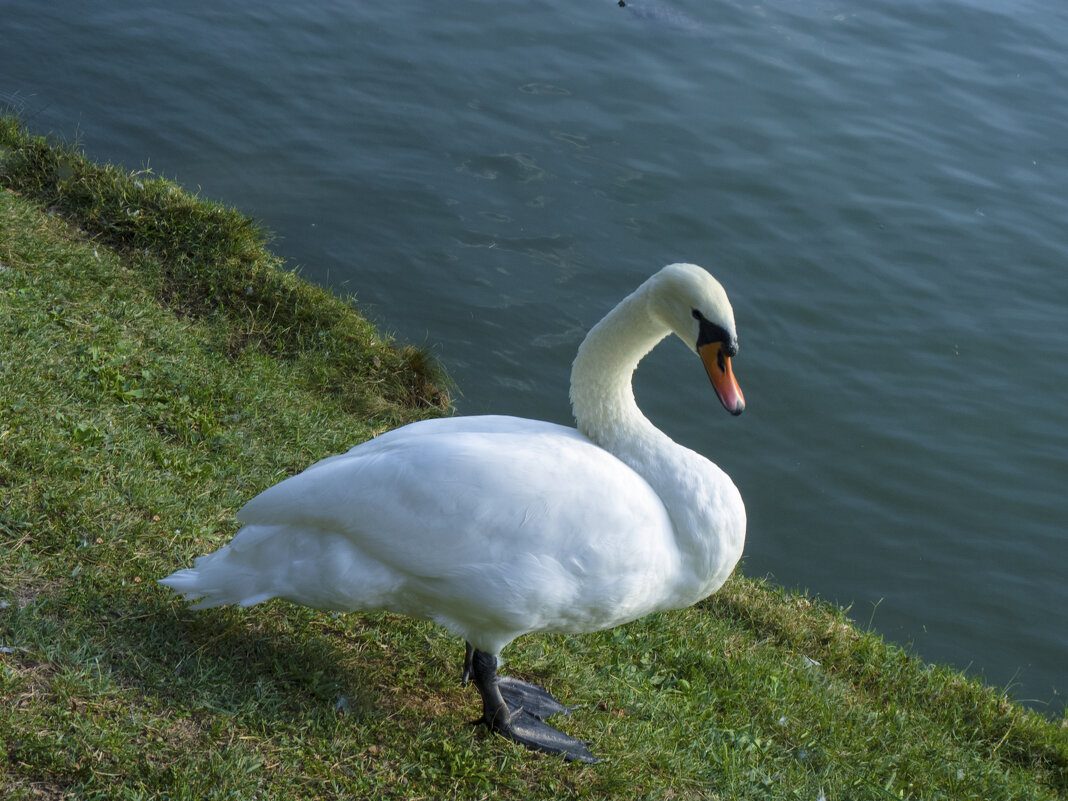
(718, 366)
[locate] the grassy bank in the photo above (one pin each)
(158, 368)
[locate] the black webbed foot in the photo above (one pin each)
(531, 698)
(520, 718)
(537, 735)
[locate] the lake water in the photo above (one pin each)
(880, 186)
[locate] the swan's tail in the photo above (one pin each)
(239, 573)
(215, 584)
(320, 569)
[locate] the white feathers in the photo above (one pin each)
(499, 526)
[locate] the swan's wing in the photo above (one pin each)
(435, 498)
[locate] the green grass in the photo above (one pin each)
(145, 395)
(208, 260)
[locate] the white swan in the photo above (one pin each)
(499, 526)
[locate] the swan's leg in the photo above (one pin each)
(518, 724)
(518, 694)
(469, 653)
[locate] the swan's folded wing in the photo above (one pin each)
(434, 503)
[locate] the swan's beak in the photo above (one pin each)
(718, 366)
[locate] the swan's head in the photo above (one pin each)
(694, 306)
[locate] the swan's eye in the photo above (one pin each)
(709, 332)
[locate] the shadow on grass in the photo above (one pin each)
(270, 665)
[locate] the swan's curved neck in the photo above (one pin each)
(602, 396)
(704, 506)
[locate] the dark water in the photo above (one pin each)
(881, 187)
